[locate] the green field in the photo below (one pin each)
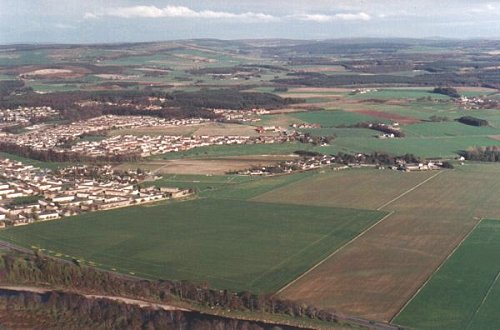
(356, 188)
(438, 146)
(451, 128)
(333, 118)
(387, 94)
(229, 244)
(201, 183)
(465, 292)
(237, 150)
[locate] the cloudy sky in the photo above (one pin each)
(94, 21)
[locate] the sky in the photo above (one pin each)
(102, 21)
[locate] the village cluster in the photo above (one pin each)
(23, 116)
(249, 116)
(55, 138)
(146, 145)
(289, 166)
(476, 103)
(67, 138)
(29, 194)
(309, 162)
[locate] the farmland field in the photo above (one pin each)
(358, 188)
(237, 150)
(465, 292)
(331, 118)
(229, 241)
(212, 166)
(374, 276)
(449, 129)
(438, 146)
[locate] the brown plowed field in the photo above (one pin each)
(391, 116)
(377, 273)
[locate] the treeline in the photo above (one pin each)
(228, 99)
(8, 87)
(473, 121)
(64, 310)
(177, 104)
(315, 140)
(483, 154)
(39, 269)
(449, 91)
(63, 157)
(379, 158)
(248, 68)
(315, 79)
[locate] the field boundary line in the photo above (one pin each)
(435, 271)
(484, 300)
(408, 191)
(333, 253)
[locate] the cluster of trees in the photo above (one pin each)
(438, 119)
(379, 158)
(179, 104)
(315, 79)
(228, 99)
(57, 309)
(315, 140)
(8, 87)
(484, 154)
(37, 269)
(24, 200)
(473, 121)
(450, 91)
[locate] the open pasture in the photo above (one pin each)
(356, 188)
(234, 245)
(465, 292)
(216, 166)
(451, 128)
(200, 183)
(333, 118)
(236, 150)
(399, 93)
(427, 147)
(375, 275)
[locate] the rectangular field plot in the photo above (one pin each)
(332, 118)
(437, 146)
(375, 275)
(449, 129)
(358, 188)
(232, 245)
(465, 292)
